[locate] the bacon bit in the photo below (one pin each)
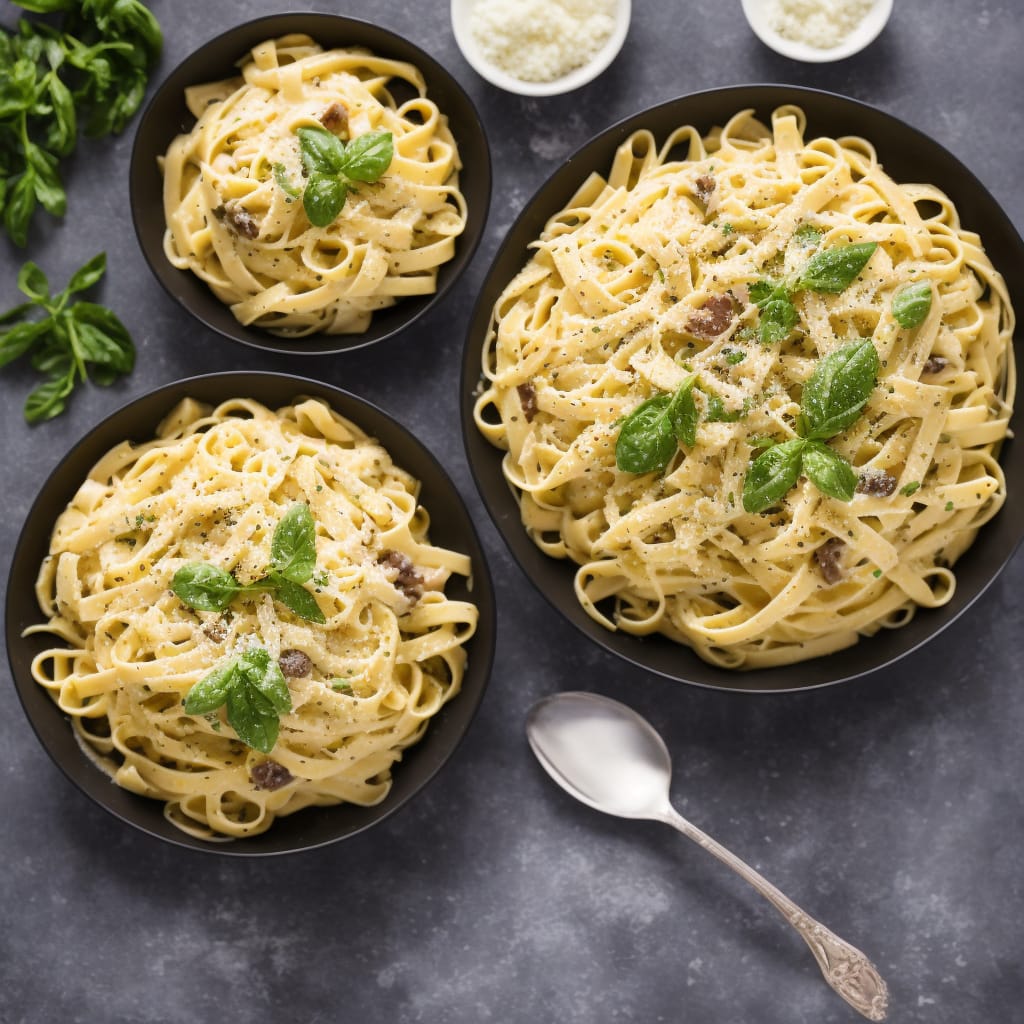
(405, 577)
(703, 187)
(217, 631)
(238, 219)
(269, 775)
(712, 318)
(877, 483)
(528, 400)
(935, 364)
(827, 557)
(335, 118)
(295, 664)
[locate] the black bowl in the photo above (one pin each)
(167, 116)
(908, 156)
(451, 526)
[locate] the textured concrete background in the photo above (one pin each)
(890, 808)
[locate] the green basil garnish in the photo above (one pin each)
(292, 562)
(333, 168)
(255, 692)
(832, 400)
(911, 304)
(830, 271)
(834, 270)
(829, 471)
(649, 436)
(772, 474)
(838, 390)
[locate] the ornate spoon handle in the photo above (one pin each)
(845, 967)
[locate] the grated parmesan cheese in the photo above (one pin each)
(823, 24)
(541, 40)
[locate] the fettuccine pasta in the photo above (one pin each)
(655, 275)
(212, 488)
(231, 183)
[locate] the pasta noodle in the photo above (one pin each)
(211, 488)
(651, 276)
(236, 223)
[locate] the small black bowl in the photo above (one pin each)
(451, 526)
(908, 155)
(167, 116)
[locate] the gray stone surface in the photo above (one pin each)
(890, 808)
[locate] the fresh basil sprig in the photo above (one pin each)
(91, 65)
(648, 437)
(832, 401)
(208, 588)
(256, 694)
(72, 341)
(830, 270)
(911, 304)
(333, 168)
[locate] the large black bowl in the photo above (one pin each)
(167, 116)
(908, 156)
(451, 527)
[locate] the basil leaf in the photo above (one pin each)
(649, 436)
(910, 305)
(16, 312)
(293, 546)
(263, 674)
(33, 283)
(833, 270)
(772, 474)
(204, 587)
(48, 399)
(298, 599)
(19, 338)
(839, 389)
(777, 320)
(281, 177)
(321, 151)
(88, 274)
(21, 203)
(253, 718)
(107, 340)
(64, 126)
(48, 188)
(368, 156)
(323, 199)
(212, 690)
(829, 471)
(682, 413)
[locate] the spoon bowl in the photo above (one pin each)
(576, 735)
(612, 759)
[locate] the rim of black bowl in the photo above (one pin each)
(451, 525)
(166, 116)
(907, 155)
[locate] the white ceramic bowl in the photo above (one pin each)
(758, 14)
(461, 12)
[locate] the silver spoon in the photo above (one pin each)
(609, 757)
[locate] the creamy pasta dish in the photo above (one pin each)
(755, 389)
(250, 614)
(310, 193)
